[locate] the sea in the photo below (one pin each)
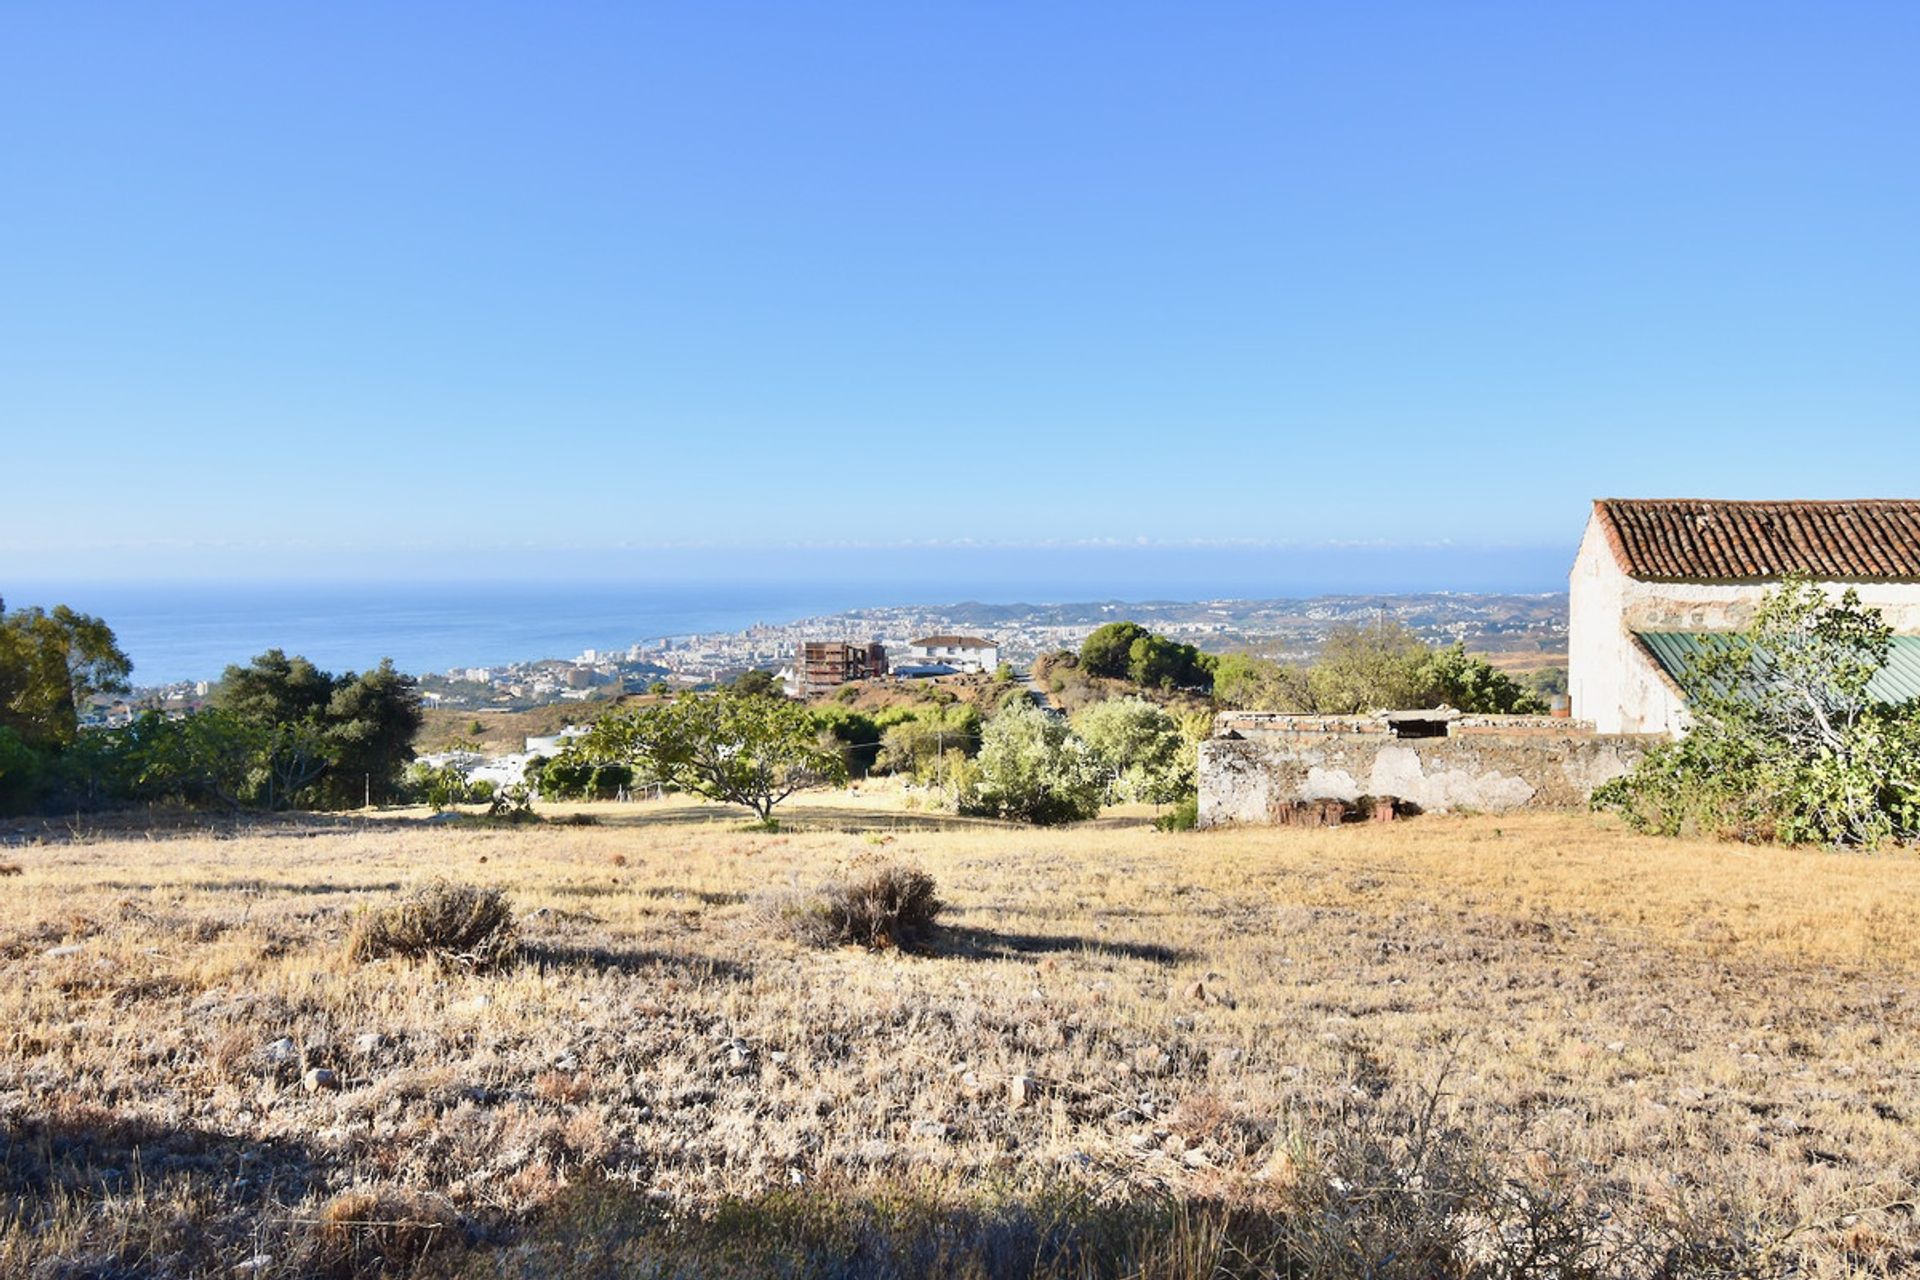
(193, 629)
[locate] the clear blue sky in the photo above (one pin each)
(307, 288)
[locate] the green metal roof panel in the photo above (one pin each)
(1898, 681)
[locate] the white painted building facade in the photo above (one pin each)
(962, 653)
(1702, 566)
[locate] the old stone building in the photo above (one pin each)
(1653, 576)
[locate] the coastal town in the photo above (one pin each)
(1527, 631)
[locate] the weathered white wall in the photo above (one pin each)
(1246, 779)
(1614, 683)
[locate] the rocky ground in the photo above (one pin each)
(1683, 1046)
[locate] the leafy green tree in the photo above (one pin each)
(1109, 650)
(1140, 748)
(51, 663)
(212, 758)
(742, 749)
(1380, 665)
(329, 740)
(1785, 738)
(370, 723)
(1458, 679)
(1249, 683)
(21, 768)
(274, 689)
(919, 746)
(761, 682)
(1155, 662)
(1032, 768)
(854, 734)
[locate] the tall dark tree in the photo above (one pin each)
(371, 721)
(274, 690)
(1109, 650)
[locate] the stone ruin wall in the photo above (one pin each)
(1249, 772)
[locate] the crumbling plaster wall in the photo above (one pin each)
(1244, 780)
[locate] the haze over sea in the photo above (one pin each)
(190, 629)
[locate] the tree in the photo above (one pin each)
(1140, 748)
(210, 758)
(51, 663)
(761, 682)
(274, 689)
(328, 740)
(1249, 683)
(1457, 679)
(1378, 666)
(1155, 662)
(1032, 768)
(1785, 737)
(921, 745)
(1109, 650)
(370, 723)
(743, 749)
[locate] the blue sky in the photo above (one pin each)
(344, 289)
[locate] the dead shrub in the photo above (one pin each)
(456, 924)
(872, 904)
(381, 1232)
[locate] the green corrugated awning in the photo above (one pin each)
(1898, 681)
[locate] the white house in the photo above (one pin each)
(1652, 575)
(551, 744)
(962, 653)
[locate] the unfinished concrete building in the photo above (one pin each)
(824, 665)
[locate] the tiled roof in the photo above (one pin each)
(1677, 539)
(1898, 681)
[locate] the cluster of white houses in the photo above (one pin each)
(1653, 581)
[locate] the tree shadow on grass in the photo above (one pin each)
(90, 1153)
(630, 960)
(968, 942)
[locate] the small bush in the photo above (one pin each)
(1184, 816)
(451, 924)
(872, 904)
(378, 1232)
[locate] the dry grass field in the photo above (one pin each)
(1471, 1045)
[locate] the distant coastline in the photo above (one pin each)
(191, 631)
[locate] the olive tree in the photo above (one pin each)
(749, 749)
(1032, 767)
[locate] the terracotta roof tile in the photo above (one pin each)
(1674, 539)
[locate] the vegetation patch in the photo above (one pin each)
(874, 904)
(452, 924)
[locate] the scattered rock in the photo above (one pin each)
(930, 1129)
(54, 953)
(739, 1057)
(367, 1044)
(281, 1051)
(1021, 1090)
(1616, 1046)
(320, 1078)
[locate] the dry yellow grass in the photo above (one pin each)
(1706, 1029)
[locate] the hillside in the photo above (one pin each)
(1700, 1048)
